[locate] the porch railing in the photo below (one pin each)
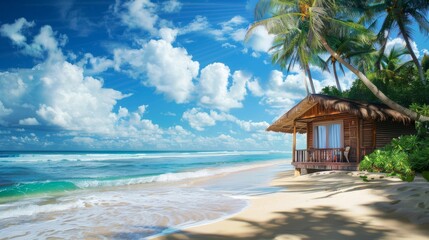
(328, 154)
(320, 155)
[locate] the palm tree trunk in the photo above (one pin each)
(380, 95)
(310, 79)
(305, 83)
(382, 49)
(334, 68)
(413, 55)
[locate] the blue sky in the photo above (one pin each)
(143, 75)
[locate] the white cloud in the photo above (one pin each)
(59, 94)
(200, 23)
(282, 92)
(75, 102)
(255, 88)
(250, 126)
(83, 140)
(168, 34)
(199, 120)
(142, 109)
(170, 70)
(94, 65)
(260, 40)
(213, 87)
(138, 14)
(400, 43)
(29, 122)
(228, 45)
(4, 111)
(172, 6)
(14, 31)
(45, 42)
(232, 29)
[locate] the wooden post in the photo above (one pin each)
(358, 140)
(294, 142)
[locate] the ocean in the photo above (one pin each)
(127, 195)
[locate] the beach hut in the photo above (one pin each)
(340, 132)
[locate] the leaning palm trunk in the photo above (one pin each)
(310, 79)
(334, 68)
(380, 95)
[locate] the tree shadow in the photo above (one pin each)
(320, 222)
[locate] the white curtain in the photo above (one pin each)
(335, 136)
(321, 137)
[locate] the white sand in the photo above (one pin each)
(328, 205)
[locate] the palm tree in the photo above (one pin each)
(349, 48)
(319, 18)
(287, 55)
(392, 64)
(290, 46)
(401, 13)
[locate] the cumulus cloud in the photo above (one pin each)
(282, 91)
(260, 40)
(172, 6)
(169, 69)
(14, 31)
(29, 122)
(168, 34)
(255, 88)
(213, 88)
(137, 14)
(57, 94)
(199, 120)
(94, 65)
(46, 43)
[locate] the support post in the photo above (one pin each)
(294, 142)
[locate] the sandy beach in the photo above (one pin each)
(328, 205)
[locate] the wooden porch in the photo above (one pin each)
(329, 158)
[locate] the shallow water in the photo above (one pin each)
(127, 195)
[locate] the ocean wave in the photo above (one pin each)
(169, 177)
(31, 209)
(24, 157)
(31, 188)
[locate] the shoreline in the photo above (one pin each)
(326, 205)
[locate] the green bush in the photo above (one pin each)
(402, 157)
(419, 159)
(393, 162)
(425, 174)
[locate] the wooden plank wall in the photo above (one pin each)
(367, 133)
(386, 131)
(309, 135)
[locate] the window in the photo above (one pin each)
(328, 135)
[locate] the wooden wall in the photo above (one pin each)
(367, 133)
(386, 131)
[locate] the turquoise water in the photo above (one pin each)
(97, 194)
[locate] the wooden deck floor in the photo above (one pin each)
(352, 166)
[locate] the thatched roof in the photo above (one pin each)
(377, 112)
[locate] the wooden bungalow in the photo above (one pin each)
(340, 132)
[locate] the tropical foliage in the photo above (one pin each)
(403, 157)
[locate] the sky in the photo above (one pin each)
(144, 75)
